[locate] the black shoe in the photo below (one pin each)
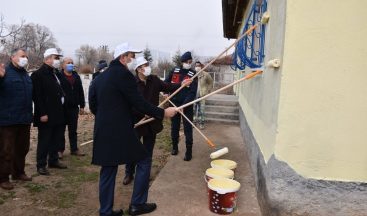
(187, 157)
(43, 171)
(128, 179)
(7, 185)
(57, 165)
(142, 208)
(117, 213)
(77, 153)
(174, 150)
(188, 154)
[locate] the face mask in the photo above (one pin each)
(56, 63)
(22, 62)
(147, 71)
(69, 68)
(131, 64)
(197, 69)
(186, 66)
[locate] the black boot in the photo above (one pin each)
(174, 149)
(188, 154)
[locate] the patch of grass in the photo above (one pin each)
(5, 196)
(76, 178)
(35, 188)
(66, 199)
(76, 162)
(163, 140)
(66, 190)
(58, 185)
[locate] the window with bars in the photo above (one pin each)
(249, 51)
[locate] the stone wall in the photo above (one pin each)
(281, 191)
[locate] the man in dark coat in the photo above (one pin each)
(49, 98)
(15, 118)
(102, 66)
(186, 95)
(149, 86)
(112, 97)
(74, 103)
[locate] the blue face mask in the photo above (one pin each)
(69, 68)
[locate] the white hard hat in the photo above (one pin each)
(51, 51)
(140, 61)
(124, 48)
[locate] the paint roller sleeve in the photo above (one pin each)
(219, 153)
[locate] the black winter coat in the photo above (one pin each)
(74, 94)
(47, 94)
(112, 97)
(186, 94)
(151, 90)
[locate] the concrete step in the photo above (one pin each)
(221, 102)
(226, 109)
(222, 115)
(222, 121)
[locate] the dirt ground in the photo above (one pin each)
(73, 191)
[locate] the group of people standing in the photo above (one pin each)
(118, 99)
(58, 96)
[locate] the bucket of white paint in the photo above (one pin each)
(212, 173)
(222, 195)
(224, 164)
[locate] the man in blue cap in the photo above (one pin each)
(186, 95)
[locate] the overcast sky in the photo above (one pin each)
(164, 25)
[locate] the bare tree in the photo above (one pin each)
(104, 53)
(87, 55)
(7, 32)
(163, 65)
(34, 38)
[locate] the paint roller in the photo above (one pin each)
(225, 150)
(213, 155)
(144, 120)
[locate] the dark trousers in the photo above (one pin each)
(14, 146)
(148, 142)
(176, 123)
(72, 115)
(107, 180)
(49, 139)
(141, 181)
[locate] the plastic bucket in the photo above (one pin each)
(225, 164)
(223, 195)
(212, 173)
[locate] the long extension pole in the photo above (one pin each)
(143, 120)
(210, 143)
(249, 76)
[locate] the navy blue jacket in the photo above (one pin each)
(112, 97)
(15, 97)
(186, 94)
